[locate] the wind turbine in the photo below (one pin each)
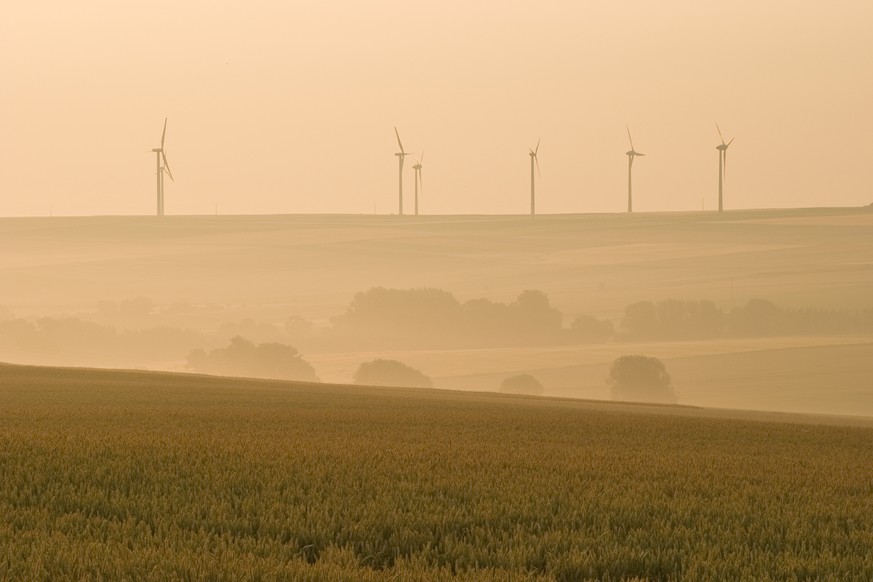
(161, 168)
(631, 154)
(417, 168)
(400, 156)
(722, 166)
(534, 160)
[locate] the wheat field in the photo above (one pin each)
(128, 475)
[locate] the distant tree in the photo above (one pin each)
(758, 317)
(589, 329)
(433, 317)
(400, 316)
(401, 308)
(640, 379)
(390, 373)
(673, 319)
(709, 320)
(522, 384)
(641, 320)
(244, 358)
(534, 314)
(680, 319)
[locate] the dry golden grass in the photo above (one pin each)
(122, 475)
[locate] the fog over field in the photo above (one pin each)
(549, 291)
(766, 310)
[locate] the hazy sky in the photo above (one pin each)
(285, 106)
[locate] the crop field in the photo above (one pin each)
(311, 265)
(131, 475)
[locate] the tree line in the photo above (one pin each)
(674, 319)
(382, 318)
(434, 317)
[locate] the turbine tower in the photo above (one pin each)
(400, 156)
(160, 169)
(418, 183)
(534, 160)
(722, 166)
(631, 154)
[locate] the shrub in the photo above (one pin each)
(244, 358)
(391, 373)
(522, 384)
(640, 379)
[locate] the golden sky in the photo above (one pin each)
(278, 107)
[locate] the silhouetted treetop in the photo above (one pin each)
(673, 319)
(243, 358)
(391, 373)
(434, 317)
(522, 384)
(640, 379)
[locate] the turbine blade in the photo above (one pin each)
(724, 153)
(719, 134)
(166, 165)
(421, 159)
(537, 160)
(731, 141)
(164, 134)
(631, 163)
(630, 139)
(538, 147)
(397, 133)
